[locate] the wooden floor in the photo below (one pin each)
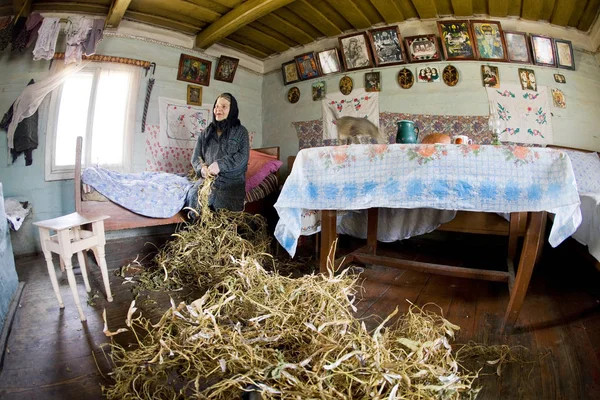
(52, 355)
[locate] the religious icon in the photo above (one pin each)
(450, 75)
(490, 76)
(489, 40)
(346, 85)
(405, 78)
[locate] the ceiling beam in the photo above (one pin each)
(352, 13)
(157, 20)
(498, 8)
(532, 9)
(388, 10)
(315, 17)
(240, 16)
(116, 13)
(562, 12)
(286, 28)
(589, 15)
(21, 8)
(268, 30)
(261, 37)
(514, 8)
(243, 48)
(82, 8)
(462, 8)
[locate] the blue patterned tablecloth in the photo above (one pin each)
(499, 179)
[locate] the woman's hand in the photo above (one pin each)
(213, 169)
(204, 171)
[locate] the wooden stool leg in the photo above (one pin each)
(81, 260)
(64, 243)
(98, 229)
(45, 236)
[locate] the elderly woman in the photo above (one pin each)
(222, 151)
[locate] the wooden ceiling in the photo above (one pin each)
(262, 28)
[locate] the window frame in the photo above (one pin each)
(54, 172)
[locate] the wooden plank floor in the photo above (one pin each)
(52, 355)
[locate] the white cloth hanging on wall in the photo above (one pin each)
(360, 104)
(46, 42)
(180, 123)
(75, 39)
(33, 95)
(525, 113)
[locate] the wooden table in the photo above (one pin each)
(529, 224)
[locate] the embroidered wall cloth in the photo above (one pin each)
(180, 124)
(525, 113)
(445, 177)
(336, 105)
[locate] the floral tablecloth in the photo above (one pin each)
(499, 179)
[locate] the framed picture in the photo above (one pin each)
(527, 78)
(290, 72)
(564, 54)
(457, 40)
(194, 95)
(558, 98)
(346, 85)
(422, 48)
(329, 61)
(543, 50)
(308, 67)
(226, 68)
(293, 94)
(517, 47)
(489, 40)
(559, 78)
(355, 51)
(428, 74)
(387, 46)
(373, 82)
(194, 70)
(490, 76)
(318, 90)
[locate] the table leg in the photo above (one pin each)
(533, 239)
(64, 243)
(372, 222)
(44, 237)
(328, 236)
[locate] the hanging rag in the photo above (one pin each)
(46, 42)
(75, 39)
(96, 34)
(147, 101)
(26, 134)
(6, 31)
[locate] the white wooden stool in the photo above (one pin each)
(71, 238)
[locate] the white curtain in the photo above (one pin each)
(33, 95)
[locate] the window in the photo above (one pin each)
(97, 103)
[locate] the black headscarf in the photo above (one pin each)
(232, 119)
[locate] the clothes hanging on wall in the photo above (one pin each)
(26, 134)
(6, 31)
(47, 36)
(96, 34)
(23, 32)
(75, 39)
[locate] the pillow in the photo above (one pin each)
(259, 166)
(586, 167)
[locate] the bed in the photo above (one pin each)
(259, 200)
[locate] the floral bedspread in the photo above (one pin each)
(153, 194)
(499, 179)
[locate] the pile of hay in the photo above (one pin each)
(287, 338)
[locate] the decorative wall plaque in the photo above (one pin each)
(346, 85)
(405, 78)
(450, 75)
